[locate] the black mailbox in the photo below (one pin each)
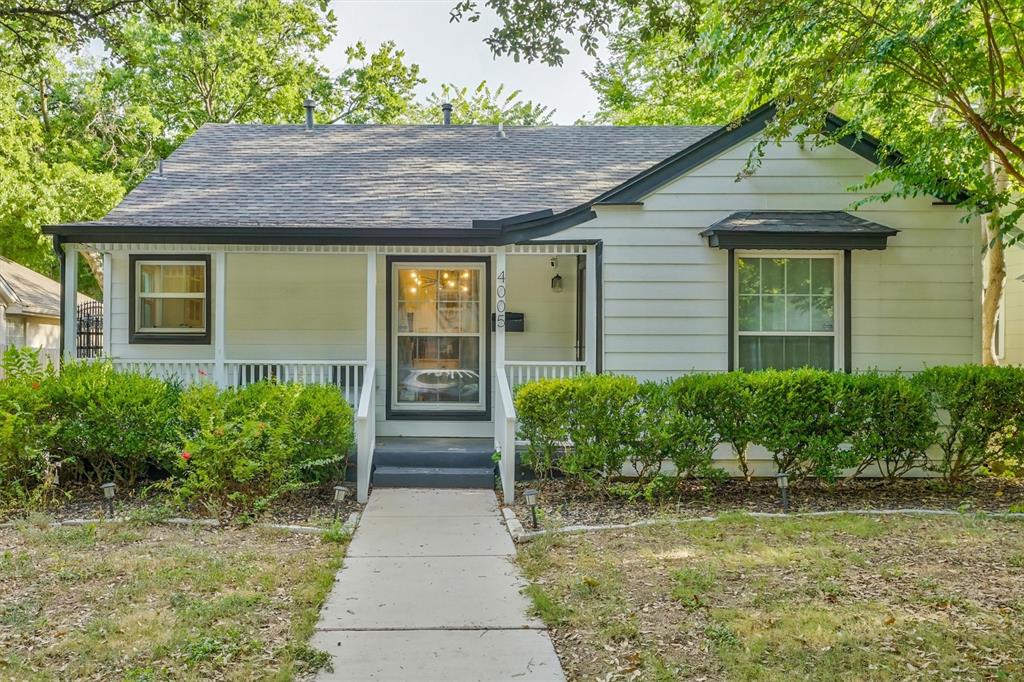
(514, 322)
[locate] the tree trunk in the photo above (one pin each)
(995, 272)
(95, 264)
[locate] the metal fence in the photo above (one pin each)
(90, 329)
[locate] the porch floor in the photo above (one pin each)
(429, 592)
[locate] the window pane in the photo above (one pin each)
(750, 314)
(822, 352)
(155, 278)
(798, 313)
(797, 352)
(773, 313)
(822, 314)
(184, 314)
(438, 369)
(773, 275)
(761, 352)
(749, 270)
(822, 277)
(798, 275)
(432, 301)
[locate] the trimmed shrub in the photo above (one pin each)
(892, 422)
(542, 410)
(245, 448)
(113, 425)
(981, 411)
(799, 416)
(27, 473)
(604, 425)
(726, 401)
(674, 422)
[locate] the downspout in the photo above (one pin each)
(58, 248)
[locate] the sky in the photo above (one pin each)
(455, 53)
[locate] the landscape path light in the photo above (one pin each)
(108, 499)
(531, 500)
(782, 479)
(340, 493)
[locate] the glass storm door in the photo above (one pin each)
(438, 345)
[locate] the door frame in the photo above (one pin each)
(485, 334)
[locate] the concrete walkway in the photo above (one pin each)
(428, 591)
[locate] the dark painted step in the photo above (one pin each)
(434, 452)
(433, 477)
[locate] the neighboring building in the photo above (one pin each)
(31, 317)
(446, 264)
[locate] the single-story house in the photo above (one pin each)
(30, 305)
(428, 270)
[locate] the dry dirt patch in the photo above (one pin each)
(851, 598)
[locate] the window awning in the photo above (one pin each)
(797, 230)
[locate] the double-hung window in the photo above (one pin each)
(170, 299)
(787, 312)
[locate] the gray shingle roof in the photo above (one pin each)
(804, 222)
(389, 176)
(37, 294)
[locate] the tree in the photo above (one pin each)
(481, 106)
(937, 81)
(374, 88)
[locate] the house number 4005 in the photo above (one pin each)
(499, 306)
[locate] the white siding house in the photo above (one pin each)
(428, 270)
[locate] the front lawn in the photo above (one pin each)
(153, 602)
(838, 598)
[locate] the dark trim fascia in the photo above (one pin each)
(731, 316)
(58, 249)
(136, 337)
(599, 292)
(637, 187)
(802, 240)
(512, 220)
(847, 312)
(445, 415)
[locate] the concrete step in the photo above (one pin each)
(432, 477)
(434, 452)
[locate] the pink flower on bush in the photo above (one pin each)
(202, 372)
(186, 455)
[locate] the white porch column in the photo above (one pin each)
(366, 406)
(70, 285)
(590, 312)
(108, 289)
(220, 276)
(500, 291)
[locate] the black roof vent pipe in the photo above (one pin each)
(446, 109)
(310, 105)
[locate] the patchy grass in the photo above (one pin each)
(838, 598)
(144, 602)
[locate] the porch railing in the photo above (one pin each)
(347, 375)
(505, 436)
(186, 371)
(366, 435)
(522, 371)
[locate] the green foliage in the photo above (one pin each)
(799, 417)
(603, 426)
(673, 427)
(726, 401)
(112, 425)
(481, 106)
(27, 473)
(245, 448)
(981, 414)
(542, 410)
(893, 423)
(374, 88)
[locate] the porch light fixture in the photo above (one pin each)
(556, 281)
(340, 493)
(531, 495)
(108, 499)
(782, 480)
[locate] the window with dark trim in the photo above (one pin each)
(170, 299)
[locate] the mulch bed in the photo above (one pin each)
(311, 507)
(565, 502)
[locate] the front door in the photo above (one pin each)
(437, 365)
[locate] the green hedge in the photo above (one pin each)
(815, 423)
(226, 451)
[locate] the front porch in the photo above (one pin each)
(421, 341)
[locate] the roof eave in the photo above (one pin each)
(830, 241)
